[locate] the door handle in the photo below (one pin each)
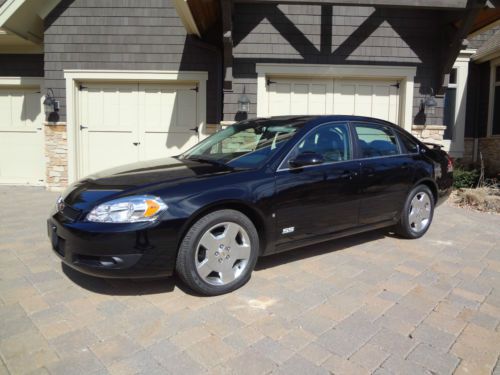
(136, 143)
(195, 129)
(348, 174)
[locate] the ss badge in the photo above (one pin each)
(288, 230)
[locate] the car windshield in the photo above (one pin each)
(247, 144)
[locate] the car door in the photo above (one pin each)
(317, 199)
(386, 173)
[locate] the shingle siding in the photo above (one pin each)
(123, 35)
(359, 35)
(22, 65)
(478, 40)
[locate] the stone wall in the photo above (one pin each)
(490, 148)
(56, 156)
(429, 133)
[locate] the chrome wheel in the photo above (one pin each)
(222, 254)
(419, 214)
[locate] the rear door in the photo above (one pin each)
(386, 173)
(320, 199)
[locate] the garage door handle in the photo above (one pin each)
(194, 129)
(136, 143)
(83, 127)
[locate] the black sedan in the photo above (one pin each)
(256, 188)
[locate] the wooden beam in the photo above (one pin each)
(457, 43)
(434, 4)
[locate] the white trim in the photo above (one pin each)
(184, 12)
(456, 146)
(491, 99)
(73, 77)
(21, 81)
(404, 73)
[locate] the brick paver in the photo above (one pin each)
(372, 303)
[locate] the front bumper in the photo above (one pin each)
(139, 250)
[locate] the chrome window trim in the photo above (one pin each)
(346, 123)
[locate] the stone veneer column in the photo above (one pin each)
(431, 134)
(56, 156)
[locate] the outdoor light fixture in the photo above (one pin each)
(50, 104)
(243, 103)
(430, 103)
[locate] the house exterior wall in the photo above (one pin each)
(123, 35)
(352, 35)
(21, 65)
(117, 35)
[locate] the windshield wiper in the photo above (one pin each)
(206, 160)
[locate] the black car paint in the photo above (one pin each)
(323, 202)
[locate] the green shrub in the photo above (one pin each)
(463, 179)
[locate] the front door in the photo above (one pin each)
(321, 199)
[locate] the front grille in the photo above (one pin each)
(70, 212)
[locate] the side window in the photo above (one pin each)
(410, 145)
(375, 141)
(330, 140)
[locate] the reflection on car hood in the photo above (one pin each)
(153, 173)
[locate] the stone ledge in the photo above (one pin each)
(50, 123)
(428, 127)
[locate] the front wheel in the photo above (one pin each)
(218, 253)
(417, 213)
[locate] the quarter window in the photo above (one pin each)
(410, 145)
(375, 141)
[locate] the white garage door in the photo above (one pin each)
(21, 137)
(129, 122)
(373, 98)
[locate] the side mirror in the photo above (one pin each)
(306, 158)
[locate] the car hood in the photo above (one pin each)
(153, 174)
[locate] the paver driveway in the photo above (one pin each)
(371, 303)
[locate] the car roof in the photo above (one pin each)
(318, 119)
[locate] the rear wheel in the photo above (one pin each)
(218, 253)
(417, 213)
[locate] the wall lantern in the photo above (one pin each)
(243, 103)
(50, 104)
(430, 103)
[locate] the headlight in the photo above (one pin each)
(128, 210)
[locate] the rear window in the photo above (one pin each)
(375, 141)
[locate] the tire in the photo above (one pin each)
(416, 220)
(218, 253)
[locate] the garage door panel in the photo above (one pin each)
(299, 97)
(185, 116)
(379, 99)
(299, 100)
(110, 107)
(139, 121)
(345, 99)
(21, 137)
(110, 149)
(280, 99)
(317, 100)
(363, 106)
